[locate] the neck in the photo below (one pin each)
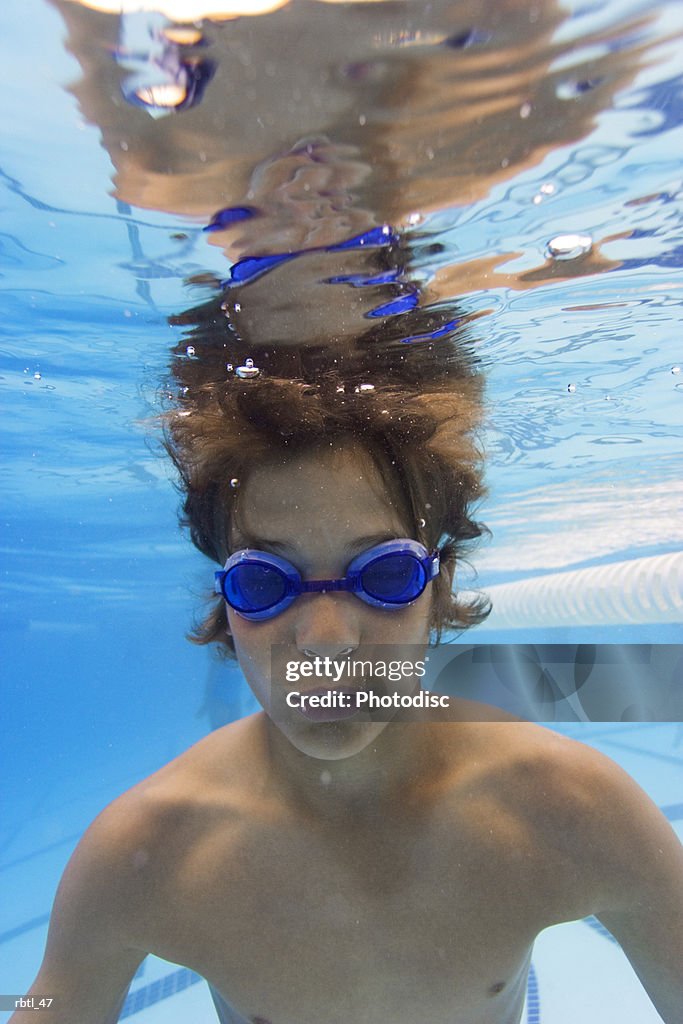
(392, 766)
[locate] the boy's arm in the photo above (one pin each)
(639, 862)
(89, 963)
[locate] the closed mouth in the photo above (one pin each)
(326, 703)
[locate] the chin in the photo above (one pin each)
(333, 741)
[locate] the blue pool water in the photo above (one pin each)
(584, 365)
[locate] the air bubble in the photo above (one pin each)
(524, 111)
(571, 388)
(675, 369)
(190, 351)
(422, 523)
(229, 367)
(364, 388)
(238, 307)
(37, 376)
(547, 188)
(569, 247)
(247, 371)
(234, 483)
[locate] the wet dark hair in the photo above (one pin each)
(414, 410)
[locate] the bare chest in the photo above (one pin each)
(298, 930)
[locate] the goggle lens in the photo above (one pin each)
(254, 587)
(396, 579)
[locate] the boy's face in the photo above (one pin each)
(319, 511)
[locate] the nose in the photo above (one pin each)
(327, 625)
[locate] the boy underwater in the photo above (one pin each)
(321, 867)
(317, 868)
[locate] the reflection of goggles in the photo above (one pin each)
(259, 585)
(165, 72)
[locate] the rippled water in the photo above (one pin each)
(479, 133)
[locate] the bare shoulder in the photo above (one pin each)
(132, 849)
(213, 771)
(560, 781)
(581, 808)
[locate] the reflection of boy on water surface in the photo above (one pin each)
(352, 871)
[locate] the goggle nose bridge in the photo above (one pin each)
(322, 586)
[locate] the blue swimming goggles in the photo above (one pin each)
(393, 574)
